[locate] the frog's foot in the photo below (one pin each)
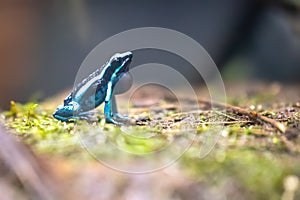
(113, 121)
(120, 120)
(124, 119)
(119, 117)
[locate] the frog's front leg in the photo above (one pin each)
(108, 114)
(108, 107)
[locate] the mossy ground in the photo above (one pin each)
(249, 159)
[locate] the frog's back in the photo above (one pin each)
(95, 75)
(91, 91)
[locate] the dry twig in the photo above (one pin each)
(253, 115)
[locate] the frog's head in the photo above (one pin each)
(66, 111)
(119, 63)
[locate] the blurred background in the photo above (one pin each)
(43, 43)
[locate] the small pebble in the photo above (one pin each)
(259, 107)
(224, 133)
(252, 107)
(291, 183)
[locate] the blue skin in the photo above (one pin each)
(94, 90)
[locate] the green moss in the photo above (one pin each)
(44, 133)
(247, 154)
(39, 129)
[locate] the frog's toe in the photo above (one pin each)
(121, 117)
(113, 121)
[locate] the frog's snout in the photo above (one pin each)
(127, 56)
(130, 55)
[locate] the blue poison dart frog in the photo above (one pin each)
(98, 88)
